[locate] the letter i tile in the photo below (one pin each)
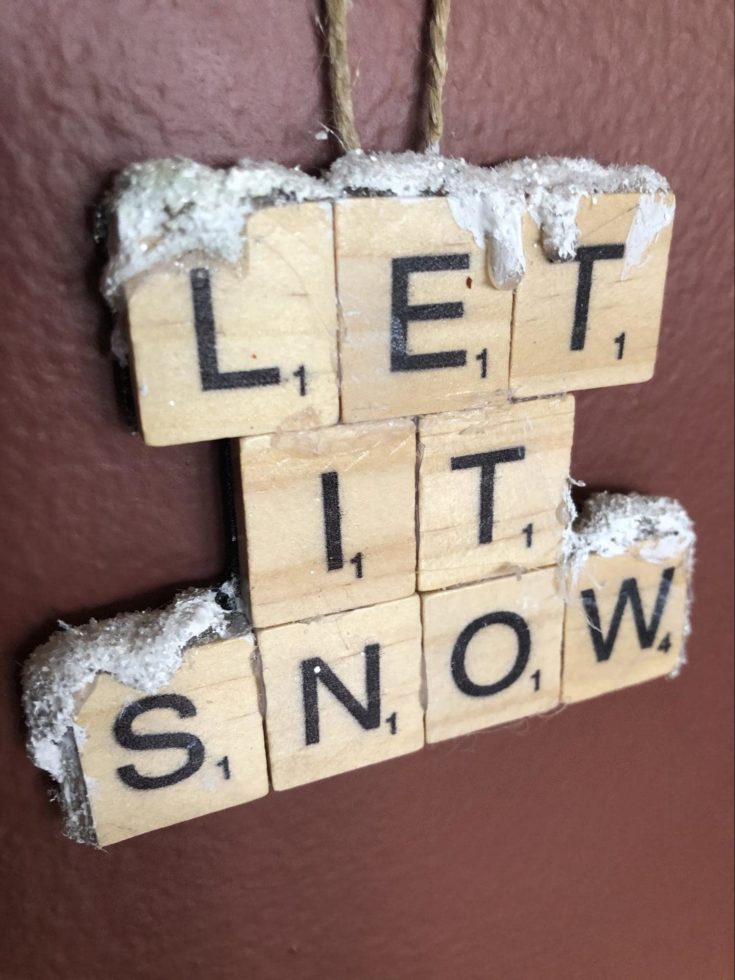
(328, 519)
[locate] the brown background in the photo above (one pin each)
(594, 844)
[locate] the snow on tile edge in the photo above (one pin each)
(162, 209)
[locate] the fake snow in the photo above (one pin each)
(491, 201)
(406, 174)
(163, 209)
(612, 523)
(652, 216)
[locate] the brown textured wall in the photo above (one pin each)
(594, 844)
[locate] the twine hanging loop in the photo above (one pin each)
(436, 73)
(340, 79)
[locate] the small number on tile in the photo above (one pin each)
(300, 373)
(665, 644)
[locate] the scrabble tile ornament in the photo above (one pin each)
(493, 653)
(232, 332)
(391, 346)
(428, 285)
(356, 676)
(148, 719)
(492, 490)
(626, 575)
(345, 499)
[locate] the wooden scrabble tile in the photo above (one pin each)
(342, 691)
(193, 747)
(329, 519)
(627, 583)
(491, 490)
(222, 350)
(624, 625)
(492, 653)
(595, 321)
(422, 329)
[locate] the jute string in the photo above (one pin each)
(436, 73)
(340, 79)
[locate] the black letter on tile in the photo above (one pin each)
(459, 673)
(211, 377)
(628, 593)
(402, 313)
(587, 255)
(487, 463)
(332, 521)
(126, 737)
(315, 669)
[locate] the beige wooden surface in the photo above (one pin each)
(286, 535)
(492, 652)
(218, 680)
(340, 641)
(527, 492)
(630, 662)
(276, 308)
(369, 234)
(541, 360)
